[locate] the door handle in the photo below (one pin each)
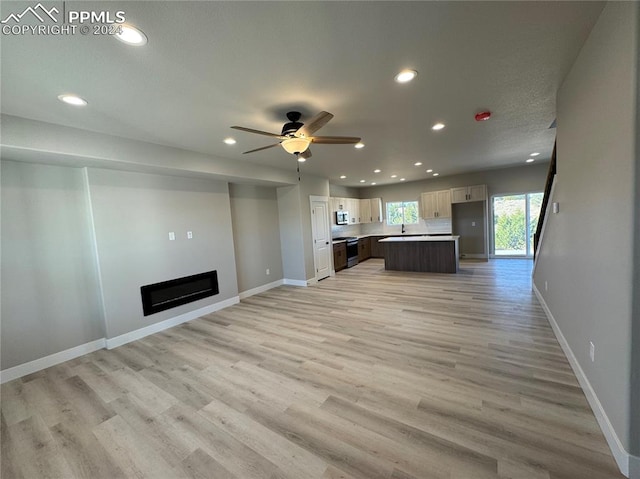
(327, 242)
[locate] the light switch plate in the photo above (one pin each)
(172, 236)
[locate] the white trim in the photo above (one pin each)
(621, 456)
(261, 289)
(294, 282)
(313, 281)
(51, 360)
(169, 323)
(325, 200)
(547, 213)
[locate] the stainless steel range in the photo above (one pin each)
(352, 250)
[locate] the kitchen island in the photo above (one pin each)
(432, 254)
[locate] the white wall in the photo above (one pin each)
(133, 214)
(256, 235)
(295, 226)
(586, 256)
(49, 282)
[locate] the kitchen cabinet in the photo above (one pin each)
(353, 207)
(364, 249)
(360, 211)
(436, 204)
(467, 194)
(339, 256)
(376, 210)
(365, 211)
(377, 249)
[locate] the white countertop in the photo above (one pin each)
(396, 239)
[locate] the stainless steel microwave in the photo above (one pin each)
(342, 217)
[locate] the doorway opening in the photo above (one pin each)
(515, 218)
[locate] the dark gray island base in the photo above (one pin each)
(430, 254)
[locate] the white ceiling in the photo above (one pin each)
(210, 65)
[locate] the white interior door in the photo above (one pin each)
(322, 248)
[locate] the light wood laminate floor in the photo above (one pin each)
(369, 374)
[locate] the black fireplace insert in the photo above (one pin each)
(169, 294)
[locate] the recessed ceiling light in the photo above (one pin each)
(429, 171)
(359, 145)
(534, 154)
(406, 76)
(530, 160)
(72, 100)
(342, 177)
(373, 182)
(301, 159)
(377, 171)
(131, 35)
(362, 181)
(417, 163)
(436, 174)
(394, 176)
(401, 179)
(438, 126)
(229, 141)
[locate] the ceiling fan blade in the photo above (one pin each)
(314, 124)
(335, 140)
(263, 148)
(306, 154)
(259, 132)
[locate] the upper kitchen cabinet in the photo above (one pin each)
(352, 205)
(360, 211)
(467, 194)
(365, 211)
(376, 210)
(436, 204)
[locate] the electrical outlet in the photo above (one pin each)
(172, 236)
(546, 286)
(473, 223)
(592, 351)
(268, 272)
(189, 234)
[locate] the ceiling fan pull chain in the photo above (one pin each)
(298, 169)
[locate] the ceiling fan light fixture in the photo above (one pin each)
(295, 145)
(359, 145)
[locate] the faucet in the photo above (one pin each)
(403, 228)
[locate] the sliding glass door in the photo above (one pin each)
(515, 218)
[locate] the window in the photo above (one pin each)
(402, 212)
(515, 218)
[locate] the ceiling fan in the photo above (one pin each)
(296, 136)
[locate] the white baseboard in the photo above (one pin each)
(51, 360)
(169, 323)
(312, 281)
(621, 456)
(261, 289)
(75, 352)
(294, 282)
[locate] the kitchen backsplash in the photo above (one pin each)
(433, 226)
